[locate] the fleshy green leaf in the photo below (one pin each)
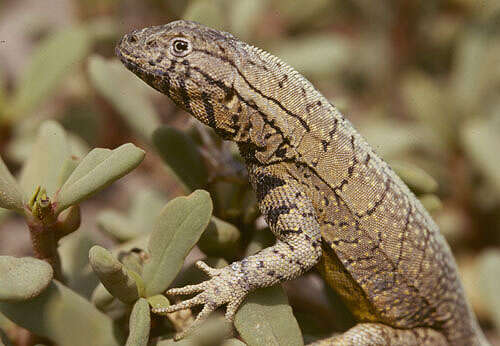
(146, 207)
(481, 141)
(426, 102)
(210, 13)
(158, 301)
(134, 260)
(23, 278)
(128, 94)
(74, 252)
(11, 196)
(296, 13)
(88, 163)
(67, 168)
(140, 242)
(51, 63)
(318, 55)
(101, 297)
(245, 15)
(404, 138)
(219, 239)
(171, 342)
(64, 317)
(469, 80)
(233, 342)
(418, 179)
(140, 324)
(113, 275)
(265, 318)
(96, 171)
(181, 154)
(212, 331)
(45, 163)
(489, 272)
(431, 202)
(117, 225)
(177, 230)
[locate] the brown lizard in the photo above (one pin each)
(327, 197)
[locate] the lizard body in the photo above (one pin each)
(330, 200)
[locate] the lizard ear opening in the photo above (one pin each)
(231, 100)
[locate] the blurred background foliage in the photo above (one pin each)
(419, 79)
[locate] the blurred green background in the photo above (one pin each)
(419, 79)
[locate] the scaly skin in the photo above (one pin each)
(327, 197)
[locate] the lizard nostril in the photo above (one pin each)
(132, 38)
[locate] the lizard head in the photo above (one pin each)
(183, 60)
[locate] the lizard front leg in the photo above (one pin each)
(291, 217)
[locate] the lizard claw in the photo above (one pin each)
(223, 288)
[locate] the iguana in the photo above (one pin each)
(329, 199)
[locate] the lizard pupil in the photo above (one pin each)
(181, 47)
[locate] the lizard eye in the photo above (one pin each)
(181, 47)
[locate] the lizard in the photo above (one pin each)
(329, 199)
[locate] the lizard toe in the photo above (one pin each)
(186, 304)
(207, 269)
(189, 289)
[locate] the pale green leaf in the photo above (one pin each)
(318, 56)
(233, 342)
(46, 161)
(265, 318)
(418, 179)
(23, 278)
(96, 171)
(296, 12)
(244, 16)
(117, 225)
(11, 196)
(101, 297)
(177, 230)
(146, 207)
(481, 142)
(74, 252)
(404, 138)
(171, 342)
(64, 317)
(431, 202)
(139, 324)
(489, 274)
(113, 275)
(207, 12)
(158, 301)
(127, 93)
(52, 61)
(220, 239)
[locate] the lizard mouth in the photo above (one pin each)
(125, 57)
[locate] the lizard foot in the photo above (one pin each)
(223, 287)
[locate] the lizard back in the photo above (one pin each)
(386, 242)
